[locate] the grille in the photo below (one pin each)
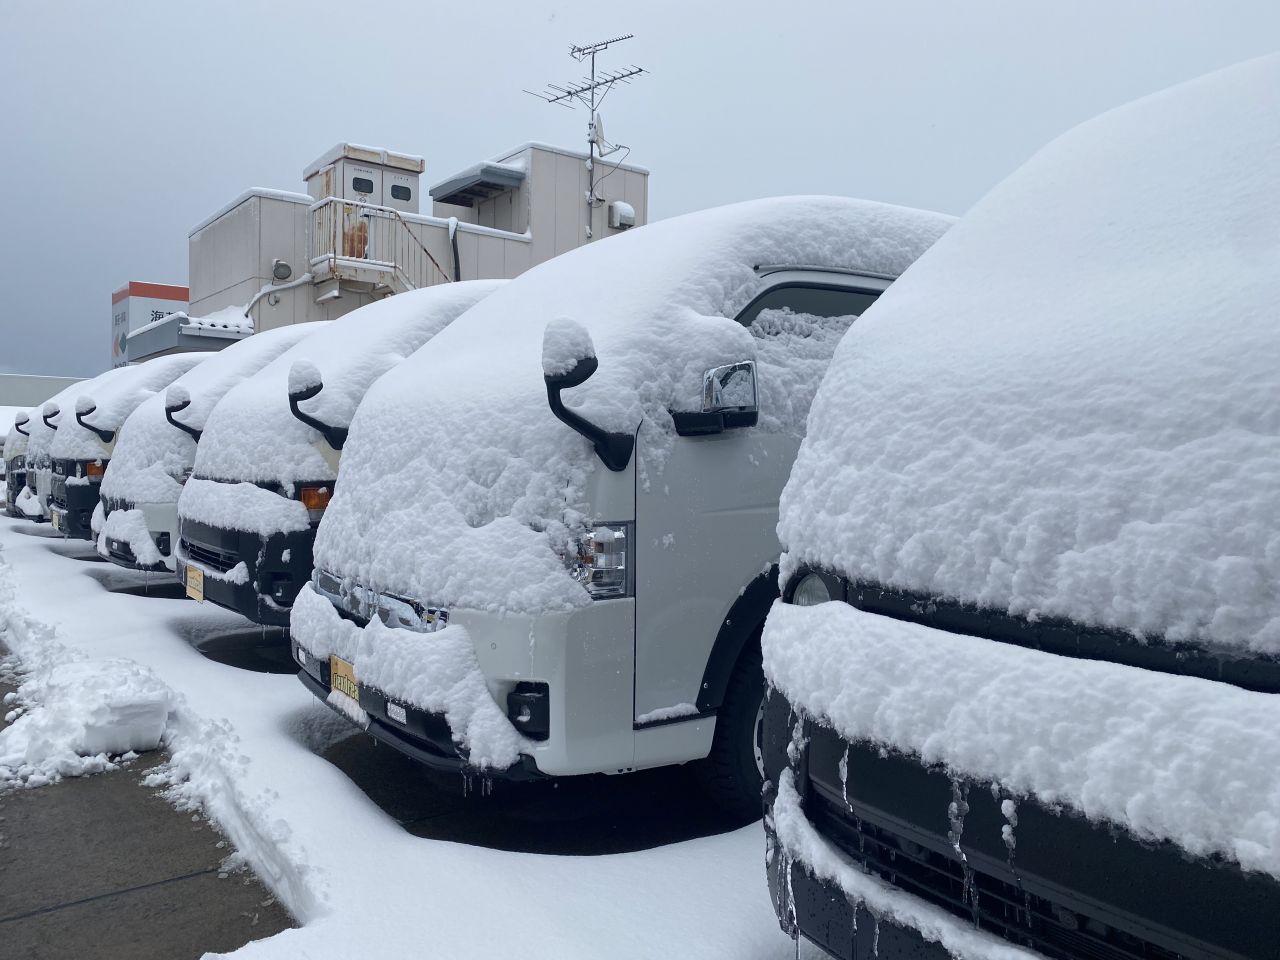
(990, 903)
(208, 557)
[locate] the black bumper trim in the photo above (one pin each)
(77, 504)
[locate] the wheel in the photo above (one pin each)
(733, 772)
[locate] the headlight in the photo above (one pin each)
(810, 591)
(601, 562)
(315, 497)
(398, 612)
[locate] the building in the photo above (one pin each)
(272, 257)
(137, 305)
(27, 390)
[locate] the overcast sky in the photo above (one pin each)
(126, 124)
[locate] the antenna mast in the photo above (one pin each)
(590, 92)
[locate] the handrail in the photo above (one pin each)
(353, 233)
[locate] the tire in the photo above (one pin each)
(732, 774)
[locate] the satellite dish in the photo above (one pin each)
(597, 137)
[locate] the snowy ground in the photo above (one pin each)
(247, 745)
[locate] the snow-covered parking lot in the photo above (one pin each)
(324, 818)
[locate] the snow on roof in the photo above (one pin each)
(356, 151)
(41, 434)
(251, 434)
(106, 404)
(514, 155)
(150, 454)
(1068, 407)
(8, 415)
(457, 450)
(266, 193)
(229, 322)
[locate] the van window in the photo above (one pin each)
(400, 192)
(362, 185)
(813, 301)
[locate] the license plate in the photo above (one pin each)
(55, 518)
(342, 677)
(195, 584)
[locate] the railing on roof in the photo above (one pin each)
(352, 240)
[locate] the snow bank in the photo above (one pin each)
(456, 449)
(436, 672)
(1068, 407)
(242, 506)
(798, 841)
(112, 400)
(81, 715)
(1169, 758)
(252, 435)
(151, 456)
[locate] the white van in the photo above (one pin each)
(1026, 666)
(156, 450)
(84, 444)
(43, 423)
(593, 555)
(268, 456)
(15, 462)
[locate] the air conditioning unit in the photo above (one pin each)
(622, 215)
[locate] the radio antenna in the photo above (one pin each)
(590, 92)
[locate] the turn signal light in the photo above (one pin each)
(315, 498)
(94, 469)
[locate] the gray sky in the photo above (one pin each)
(126, 124)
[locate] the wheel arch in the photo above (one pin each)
(740, 626)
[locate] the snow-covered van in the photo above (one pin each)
(41, 427)
(1026, 665)
(156, 450)
(84, 443)
(572, 493)
(15, 462)
(268, 457)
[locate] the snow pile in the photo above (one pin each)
(111, 401)
(457, 451)
(229, 320)
(1068, 407)
(252, 435)
(15, 442)
(28, 504)
(1170, 758)
(436, 672)
(799, 841)
(151, 456)
(242, 506)
(40, 434)
(80, 715)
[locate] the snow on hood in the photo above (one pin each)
(459, 485)
(1069, 406)
(151, 455)
(15, 443)
(111, 402)
(41, 435)
(252, 436)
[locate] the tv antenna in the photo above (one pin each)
(590, 92)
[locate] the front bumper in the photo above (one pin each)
(584, 657)
(162, 523)
(71, 507)
(278, 566)
(1073, 888)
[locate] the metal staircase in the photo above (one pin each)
(367, 248)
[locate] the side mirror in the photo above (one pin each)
(21, 421)
(86, 407)
(304, 383)
(177, 399)
(569, 360)
(729, 399)
(47, 413)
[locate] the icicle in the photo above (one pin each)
(875, 938)
(957, 810)
(844, 778)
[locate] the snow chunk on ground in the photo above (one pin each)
(81, 715)
(113, 400)
(1067, 407)
(241, 506)
(799, 841)
(1170, 758)
(457, 451)
(152, 456)
(437, 672)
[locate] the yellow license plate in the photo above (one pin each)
(195, 583)
(342, 677)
